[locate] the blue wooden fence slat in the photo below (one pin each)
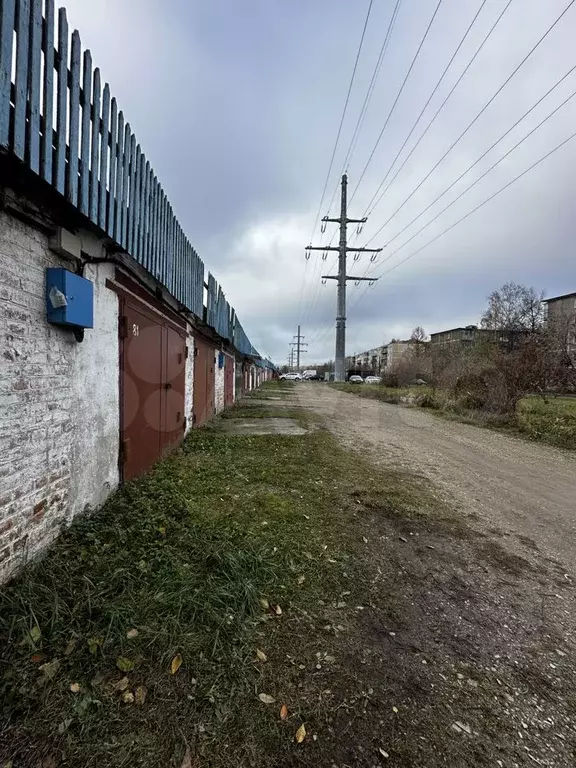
(103, 137)
(62, 102)
(146, 215)
(137, 206)
(33, 141)
(47, 93)
(21, 84)
(154, 227)
(98, 165)
(111, 229)
(131, 211)
(7, 18)
(125, 185)
(84, 197)
(117, 195)
(74, 96)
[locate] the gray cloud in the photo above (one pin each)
(237, 107)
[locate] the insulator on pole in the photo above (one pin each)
(356, 283)
(371, 283)
(356, 256)
(359, 229)
(324, 255)
(323, 227)
(323, 282)
(374, 257)
(307, 255)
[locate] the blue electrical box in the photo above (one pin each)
(69, 299)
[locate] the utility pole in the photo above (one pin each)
(299, 344)
(342, 277)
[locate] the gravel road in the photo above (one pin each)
(524, 490)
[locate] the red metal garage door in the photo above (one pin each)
(203, 382)
(152, 385)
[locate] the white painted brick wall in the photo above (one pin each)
(219, 384)
(189, 393)
(59, 401)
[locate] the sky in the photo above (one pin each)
(237, 107)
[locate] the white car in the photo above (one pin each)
(373, 380)
(291, 377)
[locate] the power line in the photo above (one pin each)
(342, 117)
(482, 156)
(438, 84)
(360, 45)
(470, 213)
(484, 108)
(368, 97)
(392, 109)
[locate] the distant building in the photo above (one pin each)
(396, 351)
(469, 334)
(561, 313)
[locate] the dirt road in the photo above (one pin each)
(524, 491)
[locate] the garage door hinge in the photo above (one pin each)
(123, 327)
(195, 351)
(186, 352)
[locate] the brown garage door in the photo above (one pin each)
(153, 387)
(203, 382)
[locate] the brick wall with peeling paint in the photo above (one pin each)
(59, 400)
(219, 383)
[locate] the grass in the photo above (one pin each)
(188, 562)
(551, 420)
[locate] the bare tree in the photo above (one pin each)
(418, 341)
(514, 308)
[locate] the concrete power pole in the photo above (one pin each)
(299, 344)
(342, 277)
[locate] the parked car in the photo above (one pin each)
(373, 380)
(356, 380)
(290, 377)
(315, 377)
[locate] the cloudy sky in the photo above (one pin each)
(237, 106)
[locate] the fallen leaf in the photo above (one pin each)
(383, 752)
(128, 697)
(277, 610)
(124, 664)
(69, 647)
(121, 685)
(301, 579)
(75, 688)
(176, 664)
(265, 604)
(187, 762)
(283, 712)
(50, 669)
(37, 658)
(300, 734)
(140, 695)
(132, 633)
(395, 709)
(94, 643)
(64, 725)
(261, 655)
(50, 762)
(266, 698)
(35, 634)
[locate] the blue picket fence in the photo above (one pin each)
(56, 117)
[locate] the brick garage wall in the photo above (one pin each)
(219, 383)
(189, 394)
(59, 400)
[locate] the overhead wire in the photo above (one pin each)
(474, 210)
(398, 95)
(425, 107)
(342, 117)
(487, 151)
(477, 117)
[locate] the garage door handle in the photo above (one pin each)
(168, 386)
